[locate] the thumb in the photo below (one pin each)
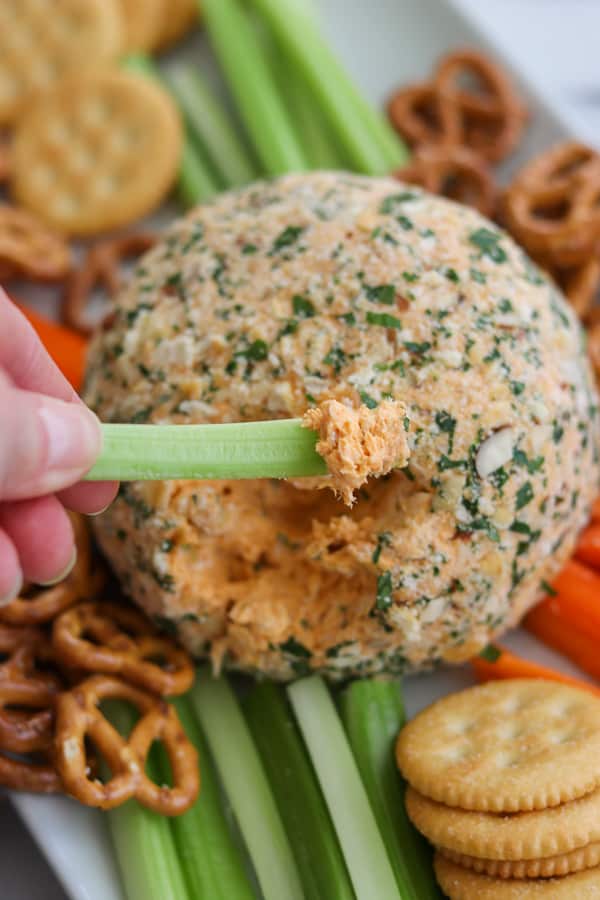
(45, 444)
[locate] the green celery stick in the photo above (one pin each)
(363, 847)
(211, 862)
(364, 135)
(142, 839)
(210, 125)
(373, 714)
(258, 100)
(245, 781)
(277, 449)
(297, 794)
(196, 182)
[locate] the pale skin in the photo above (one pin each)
(48, 441)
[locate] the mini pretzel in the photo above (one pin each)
(38, 605)
(35, 776)
(453, 172)
(24, 687)
(593, 339)
(487, 117)
(29, 249)
(101, 267)
(118, 640)
(553, 205)
(580, 285)
(78, 717)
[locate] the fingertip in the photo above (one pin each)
(42, 535)
(89, 497)
(11, 574)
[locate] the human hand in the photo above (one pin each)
(48, 441)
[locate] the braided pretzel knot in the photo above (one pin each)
(580, 285)
(118, 640)
(29, 249)
(553, 205)
(78, 717)
(101, 268)
(469, 101)
(27, 694)
(38, 605)
(453, 172)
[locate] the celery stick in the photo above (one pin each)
(365, 137)
(247, 787)
(361, 841)
(258, 100)
(210, 125)
(297, 794)
(277, 449)
(373, 714)
(210, 860)
(142, 839)
(196, 183)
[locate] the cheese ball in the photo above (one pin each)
(328, 286)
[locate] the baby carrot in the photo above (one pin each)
(548, 623)
(588, 546)
(596, 510)
(66, 347)
(578, 588)
(509, 665)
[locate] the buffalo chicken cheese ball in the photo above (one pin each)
(312, 288)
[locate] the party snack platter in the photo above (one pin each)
(384, 43)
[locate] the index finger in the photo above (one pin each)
(24, 358)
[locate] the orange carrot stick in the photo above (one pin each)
(548, 623)
(588, 546)
(596, 510)
(509, 665)
(578, 588)
(66, 347)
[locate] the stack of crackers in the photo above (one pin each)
(504, 780)
(90, 147)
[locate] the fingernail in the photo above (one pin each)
(66, 571)
(99, 512)
(12, 595)
(72, 435)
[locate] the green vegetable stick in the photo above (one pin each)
(210, 860)
(373, 714)
(297, 794)
(277, 449)
(362, 844)
(244, 779)
(365, 137)
(210, 125)
(142, 839)
(259, 104)
(196, 182)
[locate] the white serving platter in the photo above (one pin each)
(384, 43)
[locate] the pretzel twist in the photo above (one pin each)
(118, 640)
(553, 205)
(486, 115)
(78, 718)
(28, 249)
(101, 268)
(454, 172)
(38, 605)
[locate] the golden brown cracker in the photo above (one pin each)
(29, 249)
(143, 21)
(179, 16)
(97, 153)
(41, 43)
(505, 746)
(461, 884)
(512, 836)
(548, 867)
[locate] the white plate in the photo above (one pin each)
(384, 43)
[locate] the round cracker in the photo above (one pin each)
(143, 21)
(505, 746)
(461, 884)
(548, 867)
(97, 153)
(515, 836)
(40, 46)
(179, 16)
